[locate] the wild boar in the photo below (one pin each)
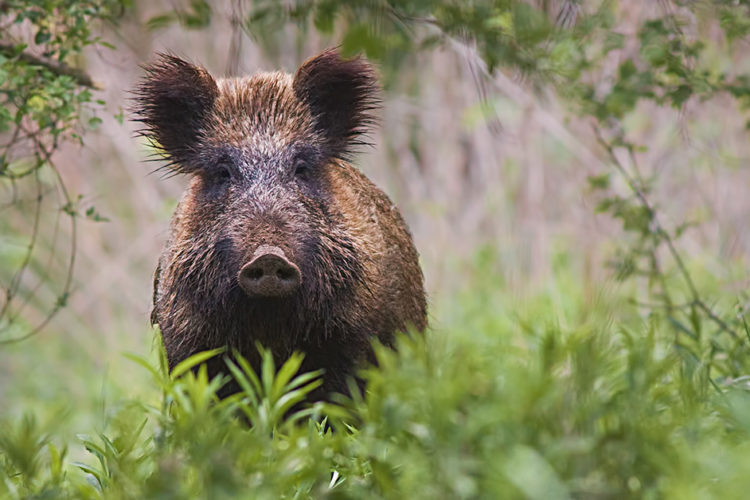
(278, 238)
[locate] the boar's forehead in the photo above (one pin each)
(259, 115)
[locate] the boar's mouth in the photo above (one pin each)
(269, 274)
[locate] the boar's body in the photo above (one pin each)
(278, 239)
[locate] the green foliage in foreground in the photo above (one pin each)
(548, 399)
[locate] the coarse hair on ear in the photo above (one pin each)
(173, 100)
(342, 95)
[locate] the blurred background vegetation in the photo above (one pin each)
(575, 175)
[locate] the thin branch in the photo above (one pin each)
(660, 231)
(12, 289)
(518, 94)
(67, 286)
(81, 77)
(588, 157)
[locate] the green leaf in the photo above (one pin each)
(250, 389)
(42, 37)
(627, 70)
(599, 181)
(361, 38)
(324, 16)
(199, 16)
(533, 475)
(95, 216)
(160, 21)
(36, 103)
(285, 374)
(680, 95)
(193, 361)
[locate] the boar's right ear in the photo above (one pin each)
(173, 101)
(342, 95)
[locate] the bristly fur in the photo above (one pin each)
(179, 103)
(342, 95)
(173, 102)
(266, 157)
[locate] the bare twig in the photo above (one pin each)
(561, 133)
(12, 289)
(635, 187)
(67, 286)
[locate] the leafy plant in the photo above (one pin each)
(558, 395)
(44, 100)
(541, 406)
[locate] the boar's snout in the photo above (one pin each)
(269, 274)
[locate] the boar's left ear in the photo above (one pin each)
(342, 95)
(173, 101)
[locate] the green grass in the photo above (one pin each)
(565, 394)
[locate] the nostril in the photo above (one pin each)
(285, 273)
(255, 273)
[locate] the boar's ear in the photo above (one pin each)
(342, 95)
(173, 101)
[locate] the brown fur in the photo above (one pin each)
(267, 155)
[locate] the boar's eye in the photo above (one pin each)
(222, 174)
(219, 174)
(302, 168)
